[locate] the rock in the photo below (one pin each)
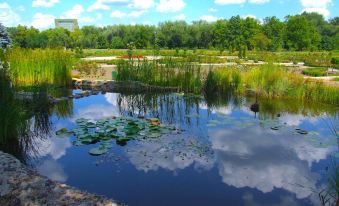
(23, 186)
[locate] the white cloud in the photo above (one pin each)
(208, 18)
(43, 21)
(224, 2)
(315, 3)
(74, 13)
(7, 16)
(77, 12)
(134, 14)
(180, 17)
(243, 161)
(53, 170)
(258, 1)
(118, 14)
(323, 11)
(212, 10)
(44, 3)
(318, 6)
(103, 4)
(166, 6)
(141, 4)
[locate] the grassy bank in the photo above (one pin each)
(269, 80)
(28, 67)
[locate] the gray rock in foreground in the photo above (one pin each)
(22, 186)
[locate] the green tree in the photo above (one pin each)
(301, 34)
(273, 28)
(5, 40)
(261, 41)
(220, 31)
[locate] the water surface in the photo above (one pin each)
(222, 152)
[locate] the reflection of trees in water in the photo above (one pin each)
(24, 122)
(168, 108)
(330, 194)
(271, 108)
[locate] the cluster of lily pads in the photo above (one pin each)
(120, 129)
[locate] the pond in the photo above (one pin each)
(217, 152)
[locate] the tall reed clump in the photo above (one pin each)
(274, 81)
(28, 67)
(183, 75)
(267, 80)
(222, 80)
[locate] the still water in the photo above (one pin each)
(222, 153)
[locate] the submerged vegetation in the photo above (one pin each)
(29, 67)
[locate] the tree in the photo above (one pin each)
(261, 42)
(250, 28)
(58, 37)
(273, 28)
(234, 34)
(5, 40)
(301, 34)
(220, 35)
(117, 43)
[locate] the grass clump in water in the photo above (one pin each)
(183, 75)
(28, 67)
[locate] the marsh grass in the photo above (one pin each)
(185, 76)
(29, 67)
(268, 80)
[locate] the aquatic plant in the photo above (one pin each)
(120, 129)
(29, 67)
(183, 75)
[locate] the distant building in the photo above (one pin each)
(69, 24)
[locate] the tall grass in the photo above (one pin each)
(268, 80)
(28, 67)
(183, 75)
(275, 81)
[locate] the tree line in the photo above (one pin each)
(305, 32)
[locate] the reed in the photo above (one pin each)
(183, 75)
(270, 81)
(28, 67)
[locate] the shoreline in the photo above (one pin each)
(20, 185)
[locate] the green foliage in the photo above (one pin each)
(183, 75)
(308, 31)
(315, 72)
(29, 67)
(301, 34)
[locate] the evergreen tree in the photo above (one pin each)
(5, 40)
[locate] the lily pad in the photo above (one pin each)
(63, 132)
(99, 150)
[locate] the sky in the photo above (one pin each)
(41, 13)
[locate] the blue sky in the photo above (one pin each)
(41, 13)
